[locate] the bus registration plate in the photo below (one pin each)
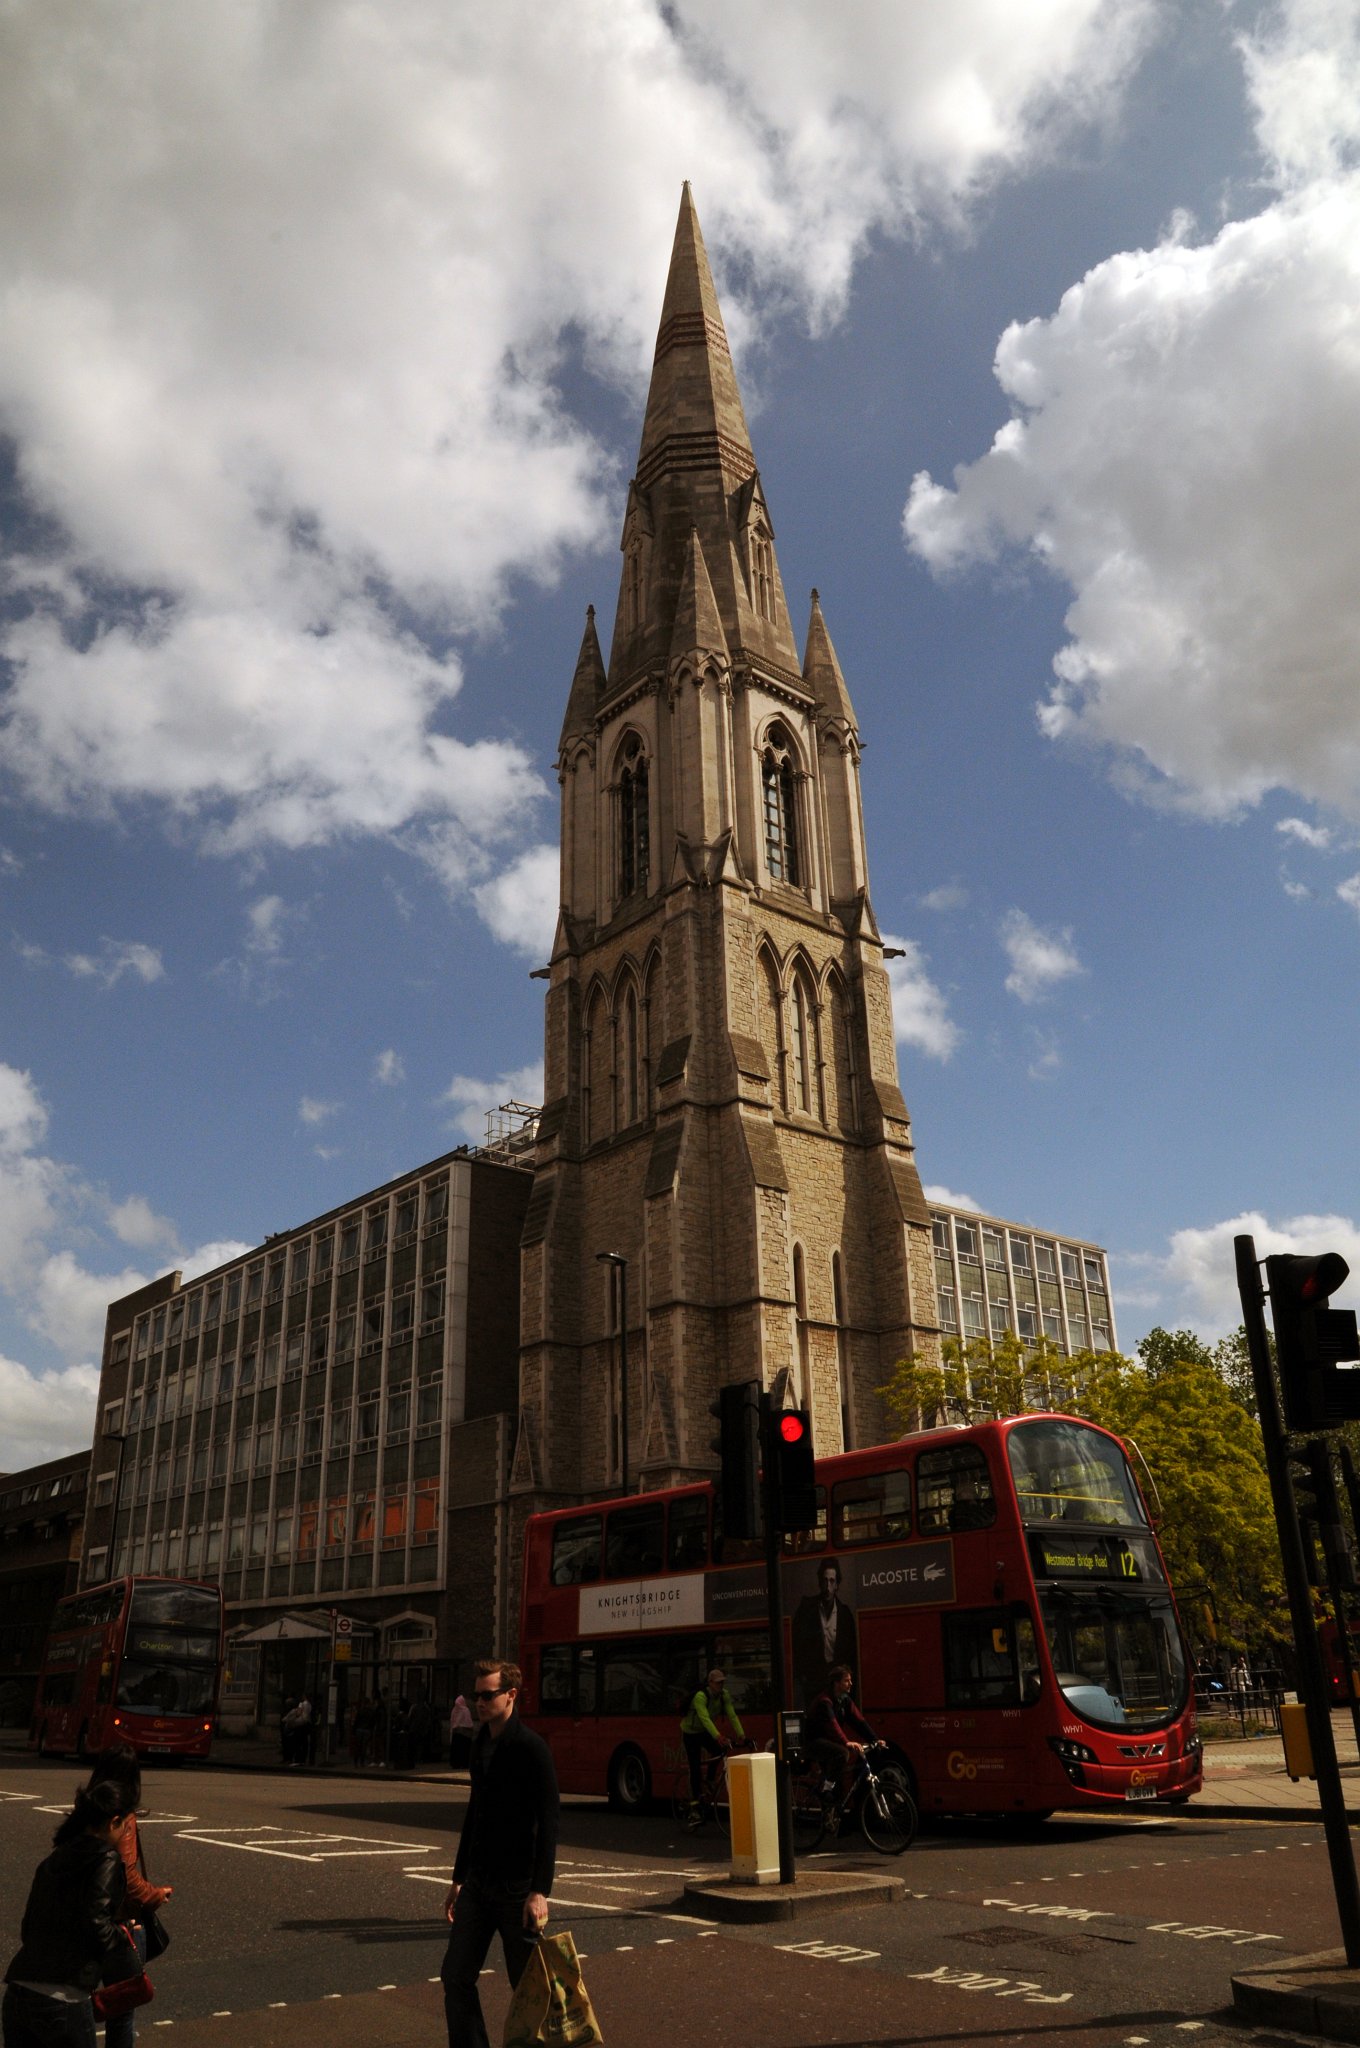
(1140, 1791)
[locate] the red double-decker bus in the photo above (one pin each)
(998, 1591)
(136, 1660)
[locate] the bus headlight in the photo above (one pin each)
(1072, 1755)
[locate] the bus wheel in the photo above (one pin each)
(1028, 1823)
(630, 1781)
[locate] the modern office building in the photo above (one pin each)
(42, 1514)
(325, 1423)
(993, 1277)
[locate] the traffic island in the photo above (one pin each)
(820, 1891)
(1317, 1995)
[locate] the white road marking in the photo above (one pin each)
(1240, 1937)
(299, 1848)
(832, 1951)
(973, 1980)
(1050, 1912)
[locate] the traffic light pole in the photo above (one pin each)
(1312, 1676)
(774, 1595)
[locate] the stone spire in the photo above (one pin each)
(696, 471)
(822, 674)
(587, 685)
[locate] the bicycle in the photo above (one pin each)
(712, 1804)
(881, 1799)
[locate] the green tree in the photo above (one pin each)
(1180, 1406)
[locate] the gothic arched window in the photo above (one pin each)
(635, 829)
(779, 800)
(630, 1056)
(802, 1047)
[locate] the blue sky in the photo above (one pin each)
(322, 354)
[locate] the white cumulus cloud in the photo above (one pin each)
(520, 904)
(389, 1069)
(1317, 836)
(1194, 1282)
(1039, 959)
(470, 1099)
(115, 958)
(312, 1110)
(945, 1198)
(46, 1414)
(920, 1009)
(287, 295)
(1184, 455)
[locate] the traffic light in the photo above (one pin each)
(793, 1485)
(1312, 1340)
(1319, 1509)
(737, 1412)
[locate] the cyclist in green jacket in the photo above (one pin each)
(698, 1729)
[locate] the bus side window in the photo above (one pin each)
(687, 1665)
(953, 1490)
(633, 1682)
(688, 1532)
(576, 1551)
(587, 1679)
(876, 1509)
(979, 1659)
(556, 1693)
(633, 1542)
(798, 1542)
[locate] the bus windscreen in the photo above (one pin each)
(1066, 1473)
(1117, 1656)
(170, 1652)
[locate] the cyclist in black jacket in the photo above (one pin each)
(837, 1732)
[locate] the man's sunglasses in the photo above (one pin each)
(493, 1693)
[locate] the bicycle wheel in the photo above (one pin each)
(716, 1796)
(688, 1812)
(809, 1817)
(888, 1817)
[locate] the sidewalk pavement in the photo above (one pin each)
(1241, 1779)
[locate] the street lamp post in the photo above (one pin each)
(617, 1259)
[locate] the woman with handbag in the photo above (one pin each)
(118, 1767)
(71, 1938)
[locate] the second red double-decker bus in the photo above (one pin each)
(998, 1591)
(136, 1660)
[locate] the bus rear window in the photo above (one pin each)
(953, 1490)
(876, 1509)
(633, 1542)
(576, 1551)
(1065, 1473)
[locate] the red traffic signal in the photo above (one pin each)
(793, 1428)
(1312, 1340)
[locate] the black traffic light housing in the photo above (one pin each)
(737, 1412)
(1312, 1340)
(789, 1461)
(1318, 1502)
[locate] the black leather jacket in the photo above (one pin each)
(70, 1932)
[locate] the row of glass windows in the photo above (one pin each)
(289, 1268)
(981, 1318)
(1049, 1261)
(210, 1460)
(345, 1523)
(953, 1491)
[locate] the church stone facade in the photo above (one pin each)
(722, 1106)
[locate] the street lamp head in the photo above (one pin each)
(612, 1258)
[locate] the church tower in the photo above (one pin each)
(722, 1108)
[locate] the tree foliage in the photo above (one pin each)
(1184, 1408)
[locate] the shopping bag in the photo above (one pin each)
(550, 2004)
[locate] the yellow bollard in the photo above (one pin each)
(1298, 1750)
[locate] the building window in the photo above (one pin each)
(966, 1238)
(779, 797)
(1019, 1254)
(406, 1215)
(974, 1323)
(103, 1489)
(1053, 1326)
(949, 1315)
(634, 821)
(1027, 1323)
(991, 1250)
(1044, 1264)
(939, 1233)
(802, 1048)
(1001, 1318)
(630, 1056)
(349, 1239)
(1094, 1276)
(1071, 1267)
(800, 1310)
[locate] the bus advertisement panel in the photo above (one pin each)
(998, 1592)
(136, 1660)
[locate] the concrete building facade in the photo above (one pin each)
(722, 1104)
(42, 1517)
(993, 1278)
(326, 1422)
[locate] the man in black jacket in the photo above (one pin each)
(503, 1871)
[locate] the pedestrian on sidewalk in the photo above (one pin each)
(1239, 1674)
(503, 1871)
(118, 1768)
(461, 1728)
(71, 1938)
(361, 1731)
